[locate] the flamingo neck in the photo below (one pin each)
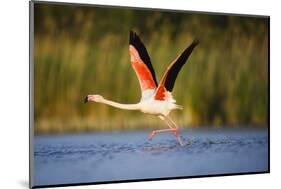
(121, 106)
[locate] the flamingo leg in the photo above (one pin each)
(153, 133)
(171, 129)
(177, 132)
(168, 117)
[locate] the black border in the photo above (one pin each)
(31, 99)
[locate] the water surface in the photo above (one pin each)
(66, 159)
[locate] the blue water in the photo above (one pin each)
(65, 159)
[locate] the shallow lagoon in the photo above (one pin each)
(112, 156)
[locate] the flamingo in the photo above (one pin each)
(156, 99)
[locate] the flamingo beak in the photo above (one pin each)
(86, 99)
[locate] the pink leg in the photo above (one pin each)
(174, 130)
(176, 133)
(160, 131)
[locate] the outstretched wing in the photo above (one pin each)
(168, 80)
(141, 64)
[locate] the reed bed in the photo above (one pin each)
(80, 51)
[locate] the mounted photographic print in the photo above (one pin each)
(122, 94)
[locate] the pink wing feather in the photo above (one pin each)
(143, 73)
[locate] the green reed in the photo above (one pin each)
(80, 51)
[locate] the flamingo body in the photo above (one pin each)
(156, 99)
(157, 107)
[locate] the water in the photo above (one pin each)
(66, 159)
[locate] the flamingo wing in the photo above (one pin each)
(141, 63)
(167, 82)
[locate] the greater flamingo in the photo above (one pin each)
(156, 98)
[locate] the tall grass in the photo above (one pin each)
(80, 51)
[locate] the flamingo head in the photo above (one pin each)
(93, 98)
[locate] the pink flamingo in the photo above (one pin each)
(156, 99)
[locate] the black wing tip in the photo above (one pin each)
(132, 32)
(135, 40)
(195, 41)
(133, 37)
(190, 48)
(86, 99)
(171, 78)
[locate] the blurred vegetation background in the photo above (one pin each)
(84, 50)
